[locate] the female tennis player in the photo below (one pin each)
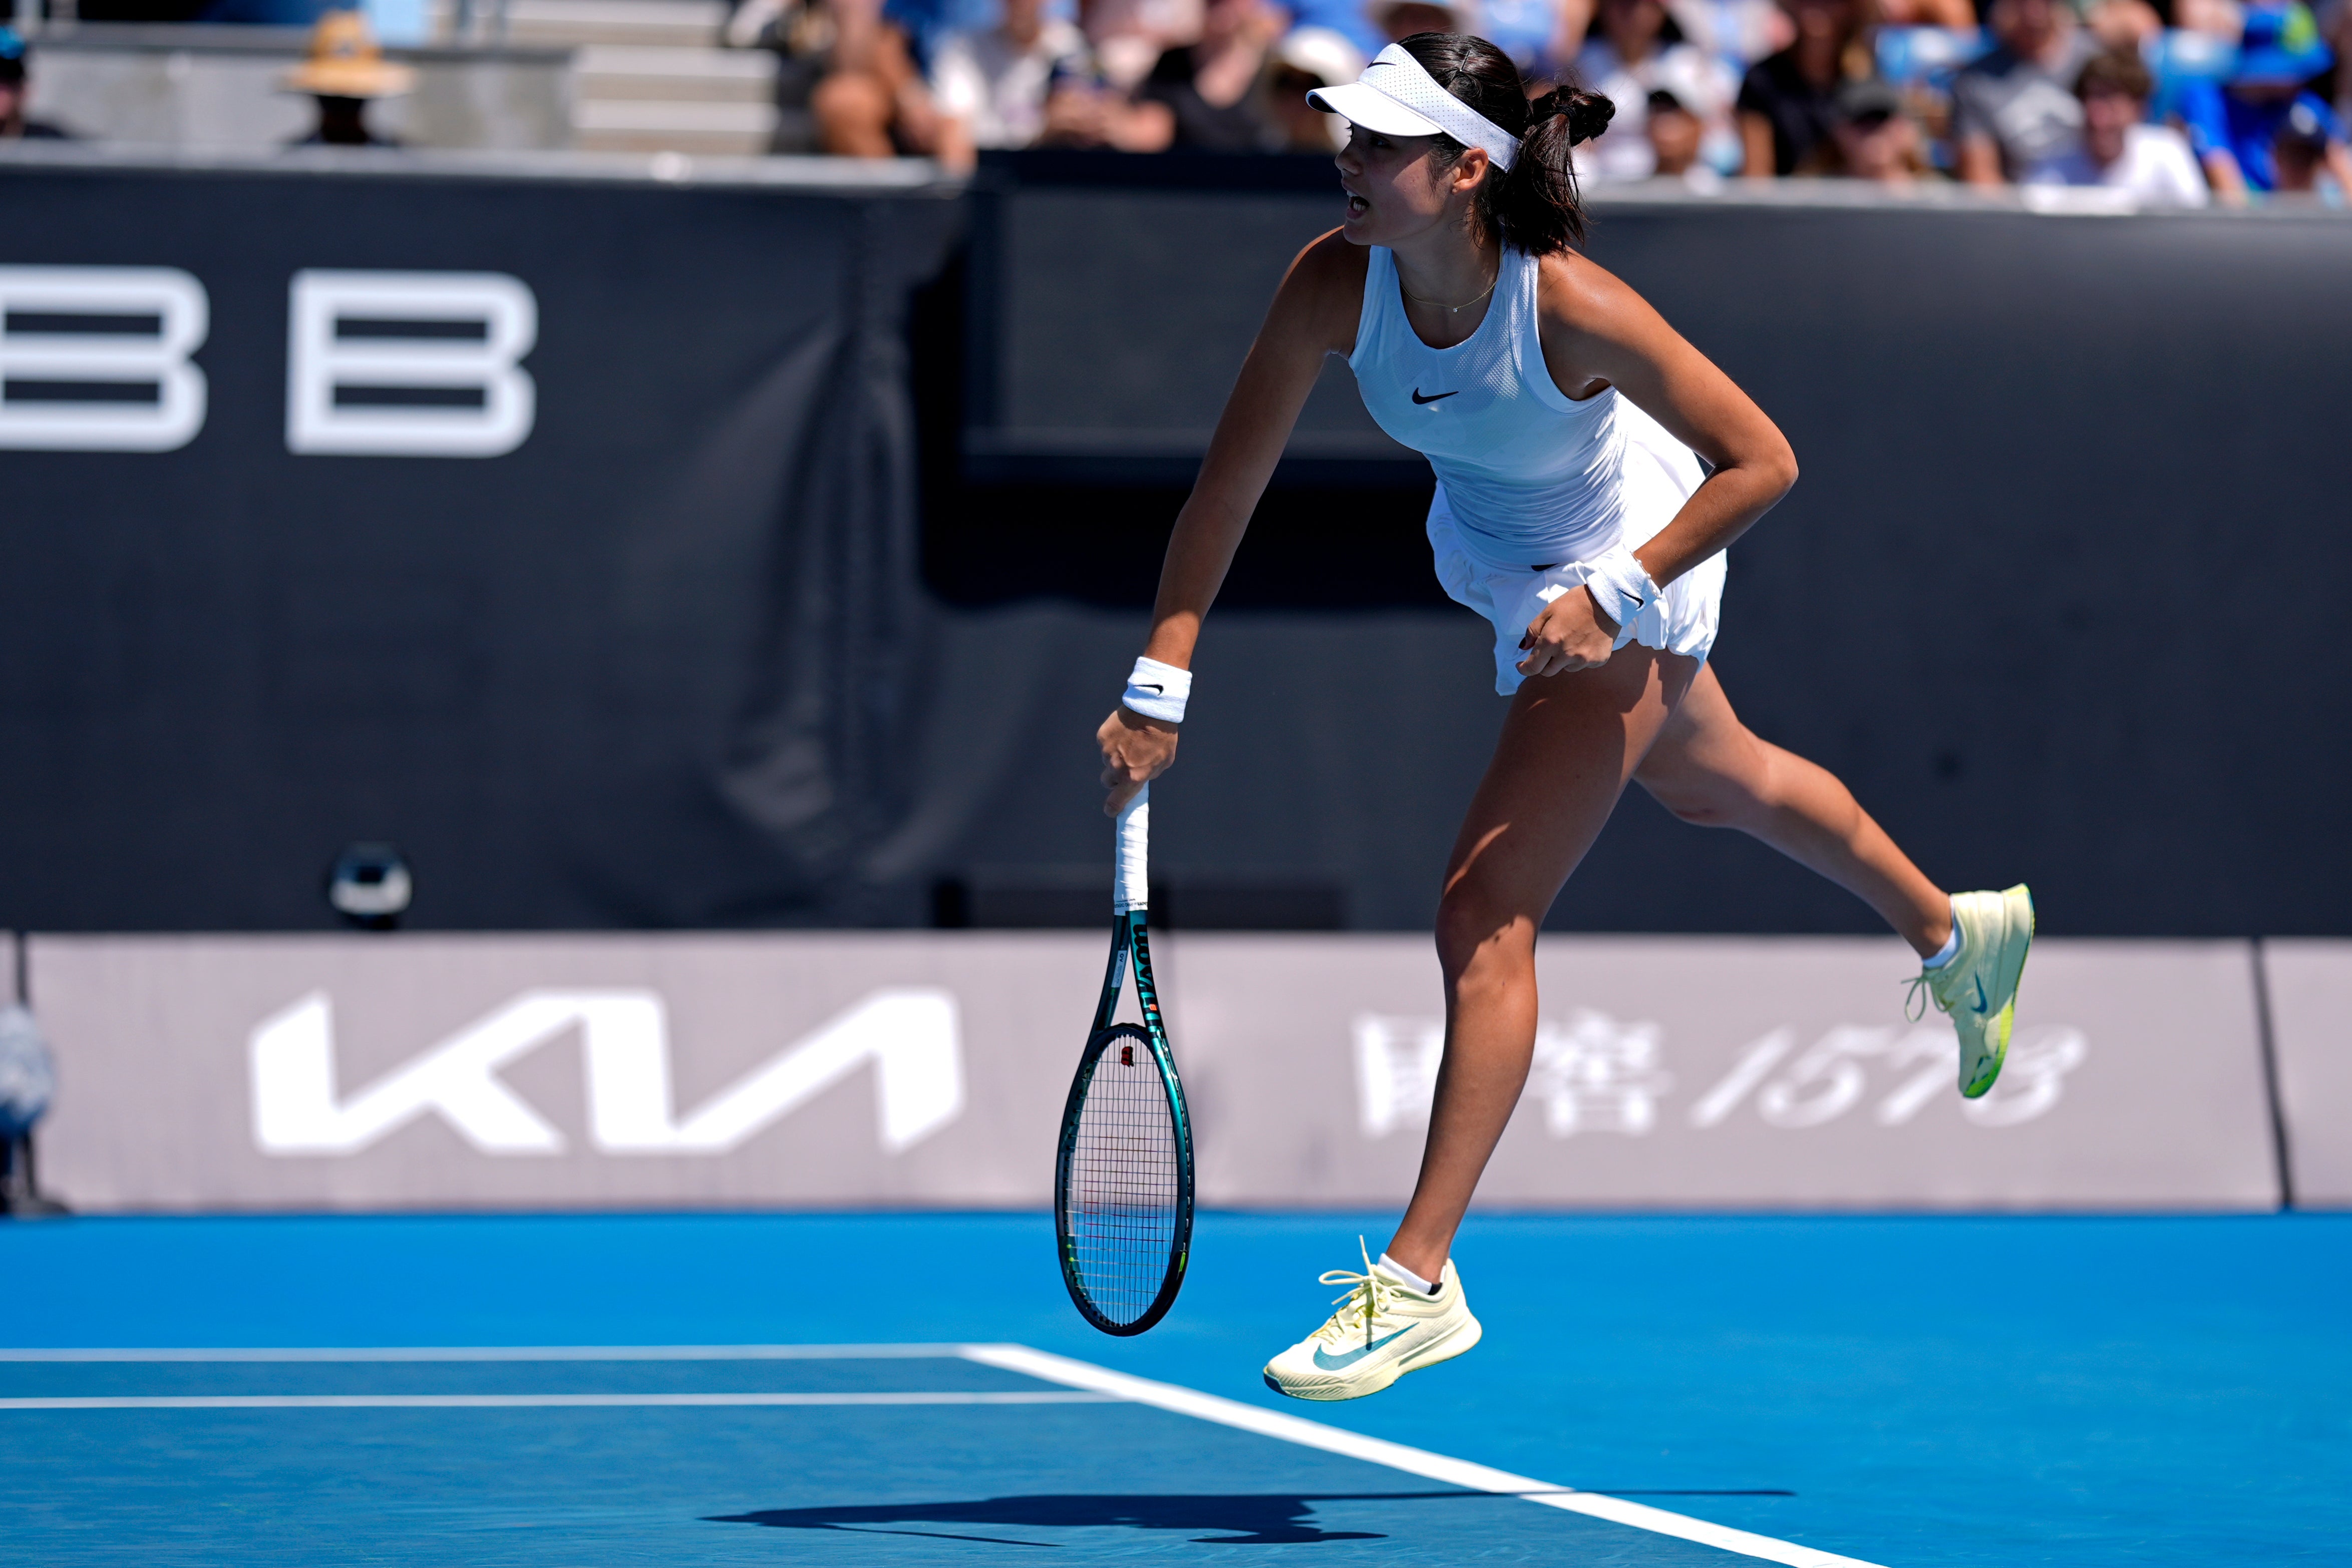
(1592, 468)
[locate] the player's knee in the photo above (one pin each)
(1701, 809)
(1475, 935)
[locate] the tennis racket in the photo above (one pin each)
(1123, 1173)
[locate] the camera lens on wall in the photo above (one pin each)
(369, 886)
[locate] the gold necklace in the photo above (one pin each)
(1451, 309)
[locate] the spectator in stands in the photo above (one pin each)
(2015, 111)
(2235, 128)
(15, 88)
(1398, 20)
(995, 81)
(1957, 13)
(346, 71)
(873, 103)
(1675, 135)
(1128, 37)
(2308, 151)
(1877, 139)
(1305, 59)
(1638, 48)
(1740, 32)
(1788, 105)
(2119, 149)
(1204, 96)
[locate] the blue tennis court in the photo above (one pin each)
(586, 1391)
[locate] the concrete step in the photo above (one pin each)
(708, 145)
(644, 23)
(612, 72)
(640, 125)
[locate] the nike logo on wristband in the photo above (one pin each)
(1433, 397)
(1151, 687)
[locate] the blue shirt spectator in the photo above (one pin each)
(2234, 126)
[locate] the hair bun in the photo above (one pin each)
(1588, 113)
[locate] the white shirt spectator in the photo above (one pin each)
(996, 86)
(1703, 83)
(2157, 169)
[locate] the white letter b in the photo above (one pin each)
(409, 364)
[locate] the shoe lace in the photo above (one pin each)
(1365, 1298)
(1922, 992)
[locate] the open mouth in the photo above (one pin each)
(1357, 206)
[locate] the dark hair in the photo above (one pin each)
(1534, 207)
(2119, 71)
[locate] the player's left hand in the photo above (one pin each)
(1136, 750)
(1571, 634)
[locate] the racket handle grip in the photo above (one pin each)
(1130, 883)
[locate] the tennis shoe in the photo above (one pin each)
(1978, 987)
(1383, 1329)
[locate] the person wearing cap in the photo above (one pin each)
(1877, 139)
(1675, 136)
(1593, 466)
(15, 88)
(2014, 110)
(2234, 126)
(1307, 60)
(346, 71)
(2120, 150)
(1637, 48)
(2302, 151)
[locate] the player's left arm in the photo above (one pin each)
(1598, 333)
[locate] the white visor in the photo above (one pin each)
(1395, 97)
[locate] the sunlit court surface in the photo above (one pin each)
(746, 1389)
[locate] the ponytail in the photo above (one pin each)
(1535, 205)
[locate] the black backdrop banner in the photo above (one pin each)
(2058, 593)
(636, 671)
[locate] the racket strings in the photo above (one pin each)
(1125, 1191)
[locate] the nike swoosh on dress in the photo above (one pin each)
(1433, 397)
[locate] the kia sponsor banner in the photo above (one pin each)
(2312, 1034)
(929, 1069)
(299, 1071)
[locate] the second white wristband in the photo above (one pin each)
(1157, 691)
(1620, 585)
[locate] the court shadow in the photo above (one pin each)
(1232, 1518)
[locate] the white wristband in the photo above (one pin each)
(1157, 691)
(1619, 584)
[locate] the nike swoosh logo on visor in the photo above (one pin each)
(1339, 1363)
(1433, 397)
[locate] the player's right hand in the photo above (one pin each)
(1136, 750)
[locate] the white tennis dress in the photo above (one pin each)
(1528, 481)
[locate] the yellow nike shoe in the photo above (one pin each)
(1383, 1329)
(1978, 986)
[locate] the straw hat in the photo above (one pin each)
(347, 62)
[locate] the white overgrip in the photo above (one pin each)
(1130, 883)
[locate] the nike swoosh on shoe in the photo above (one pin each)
(1341, 1362)
(1980, 1004)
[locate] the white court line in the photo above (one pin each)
(510, 1353)
(534, 1401)
(1084, 1374)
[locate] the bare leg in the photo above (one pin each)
(1708, 768)
(1566, 752)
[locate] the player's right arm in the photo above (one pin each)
(1314, 314)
